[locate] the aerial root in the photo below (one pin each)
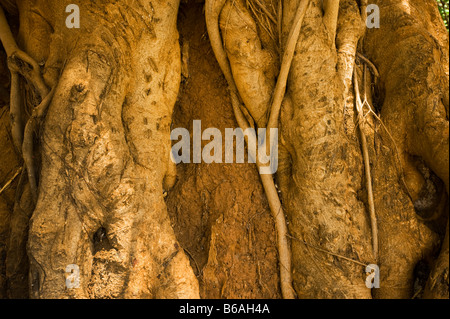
(357, 262)
(28, 145)
(283, 246)
(288, 55)
(365, 150)
(21, 64)
(11, 180)
(365, 103)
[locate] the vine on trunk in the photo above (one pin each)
(21, 64)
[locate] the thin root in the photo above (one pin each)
(365, 149)
(22, 63)
(370, 64)
(212, 14)
(331, 8)
(15, 112)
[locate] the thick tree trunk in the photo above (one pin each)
(411, 52)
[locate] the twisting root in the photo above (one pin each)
(27, 147)
(370, 64)
(265, 10)
(213, 9)
(365, 149)
(280, 26)
(288, 55)
(264, 17)
(357, 262)
(10, 46)
(20, 63)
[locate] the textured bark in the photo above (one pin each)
(413, 66)
(105, 151)
(326, 165)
